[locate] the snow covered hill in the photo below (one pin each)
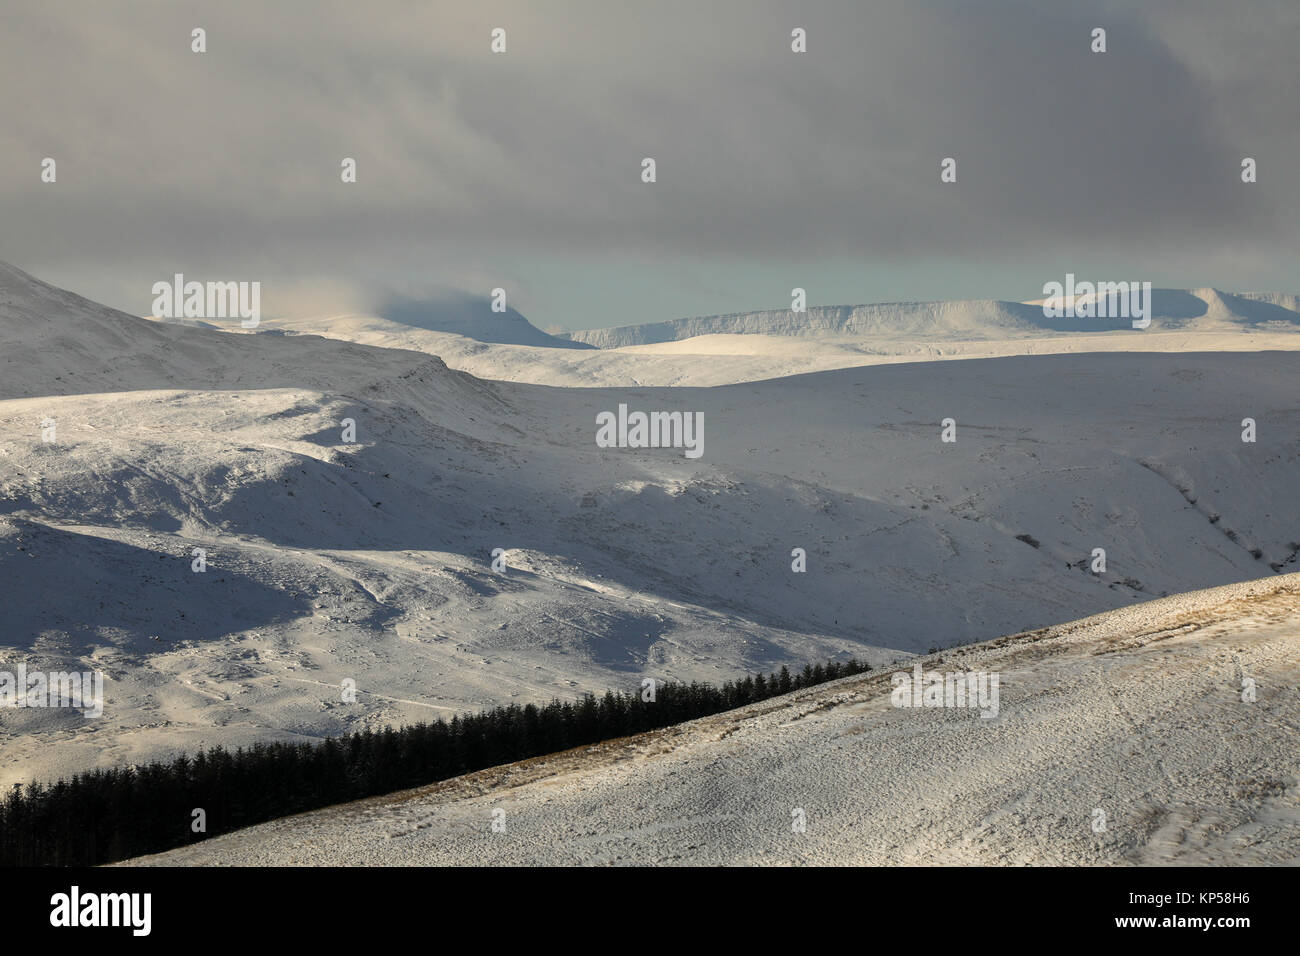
(330, 560)
(1172, 309)
(1125, 738)
(472, 318)
(56, 343)
(725, 350)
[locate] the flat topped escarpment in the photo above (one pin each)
(1184, 310)
(899, 318)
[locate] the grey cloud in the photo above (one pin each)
(168, 158)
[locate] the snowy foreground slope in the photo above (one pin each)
(371, 561)
(1133, 720)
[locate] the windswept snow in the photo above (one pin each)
(1124, 738)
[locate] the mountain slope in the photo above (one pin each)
(371, 560)
(1120, 739)
(469, 317)
(53, 342)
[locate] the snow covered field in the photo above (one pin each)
(1120, 739)
(371, 561)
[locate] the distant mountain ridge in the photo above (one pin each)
(1172, 309)
(473, 318)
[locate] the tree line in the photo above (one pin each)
(103, 816)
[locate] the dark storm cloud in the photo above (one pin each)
(167, 157)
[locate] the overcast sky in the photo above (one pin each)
(523, 169)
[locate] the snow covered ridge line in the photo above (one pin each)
(937, 689)
(653, 430)
(82, 691)
(1102, 300)
(213, 300)
(74, 909)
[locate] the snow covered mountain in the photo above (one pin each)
(332, 560)
(473, 318)
(1202, 310)
(725, 350)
